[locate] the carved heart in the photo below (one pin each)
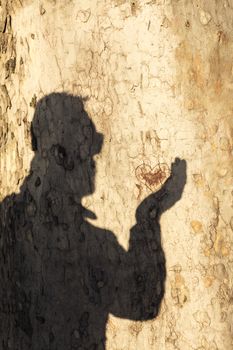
(153, 178)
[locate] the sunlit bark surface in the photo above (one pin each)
(155, 78)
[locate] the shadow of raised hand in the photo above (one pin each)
(155, 204)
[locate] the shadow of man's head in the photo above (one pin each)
(65, 141)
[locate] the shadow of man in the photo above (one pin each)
(65, 275)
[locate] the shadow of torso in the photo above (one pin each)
(68, 275)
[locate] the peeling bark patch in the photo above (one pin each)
(33, 101)
(134, 7)
(5, 101)
(10, 66)
(42, 10)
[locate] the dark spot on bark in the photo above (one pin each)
(37, 182)
(51, 337)
(61, 158)
(40, 319)
(10, 67)
(33, 140)
(33, 101)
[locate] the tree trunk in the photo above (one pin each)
(144, 88)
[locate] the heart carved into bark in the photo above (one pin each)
(153, 178)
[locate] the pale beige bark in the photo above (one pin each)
(158, 80)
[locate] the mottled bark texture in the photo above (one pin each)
(105, 242)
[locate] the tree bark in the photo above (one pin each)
(132, 85)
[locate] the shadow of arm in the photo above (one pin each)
(139, 282)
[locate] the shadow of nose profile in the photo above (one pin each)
(67, 275)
